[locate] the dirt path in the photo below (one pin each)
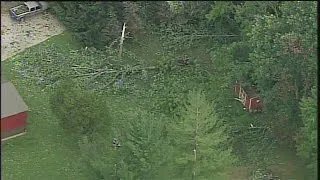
(15, 36)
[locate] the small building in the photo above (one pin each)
(13, 112)
(249, 98)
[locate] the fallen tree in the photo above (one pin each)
(111, 72)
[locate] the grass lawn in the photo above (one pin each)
(44, 152)
(282, 162)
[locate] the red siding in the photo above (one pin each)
(247, 102)
(254, 105)
(13, 122)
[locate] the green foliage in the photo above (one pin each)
(45, 146)
(252, 146)
(265, 54)
(282, 60)
(48, 62)
(275, 51)
(79, 111)
(221, 88)
(94, 24)
(99, 156)
(307, 137)
(261, 59)
(221, 11)
(199, 138)
(154, 13)
(173, 88)
(263, 174)
(222, 17)
(87, 65)
(175, 6)
(145, 145)
(249, 11)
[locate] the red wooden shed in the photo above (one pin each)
(13, 112)
(250, 100)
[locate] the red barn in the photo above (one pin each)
(250, 100)
(13, 112)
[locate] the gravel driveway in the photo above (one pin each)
(16, 36)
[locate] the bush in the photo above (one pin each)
(306, 138)
(80, 112)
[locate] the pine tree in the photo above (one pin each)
(199, 137)
(145, 149)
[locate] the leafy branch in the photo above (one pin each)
(111, 72)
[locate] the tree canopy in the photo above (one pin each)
(208, 45)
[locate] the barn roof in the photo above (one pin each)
(3, 80)
(11, 101)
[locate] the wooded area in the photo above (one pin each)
(165, 108)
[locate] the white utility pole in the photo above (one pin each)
(122, 38)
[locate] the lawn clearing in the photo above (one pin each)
(44, 152)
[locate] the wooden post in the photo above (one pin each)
(122, 39)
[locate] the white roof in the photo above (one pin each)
(31, 4)
(11, 101)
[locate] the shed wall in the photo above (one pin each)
(14, 122)
(12, 133)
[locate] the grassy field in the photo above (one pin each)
(47, 153)
(44, 152)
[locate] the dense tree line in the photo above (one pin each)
(277, 55)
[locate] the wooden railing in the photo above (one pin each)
(251, 104)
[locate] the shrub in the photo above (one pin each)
(79, 111)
